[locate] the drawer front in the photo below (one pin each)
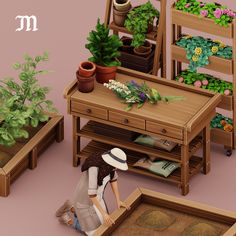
(164, 130)
(89, 110)
(126, 120)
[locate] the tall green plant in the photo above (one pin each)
(23, 103)
(138, 20)
(103, 47)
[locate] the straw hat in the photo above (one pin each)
(116, 157)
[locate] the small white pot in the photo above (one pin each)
(122, 6)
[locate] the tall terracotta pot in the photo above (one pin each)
(105, 73)
(119, 17)
(85, 84)
(87, 68)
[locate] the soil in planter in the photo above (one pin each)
(9, 152)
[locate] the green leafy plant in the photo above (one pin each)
(199, 50)
(138, 20)
(205, 81)
(220, 14)
(104, 48)
(133, 93)
(23, 103)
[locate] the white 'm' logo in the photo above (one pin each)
(27, 19)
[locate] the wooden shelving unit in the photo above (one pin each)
(158, 35)
(178, 56)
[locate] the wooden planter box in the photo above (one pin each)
(222, 137)
(24, 155)
(204, 24)
(172, 210)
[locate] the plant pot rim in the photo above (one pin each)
(121, 4)
(144, 54)
(89, 62)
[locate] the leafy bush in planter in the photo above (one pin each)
(199, 50)
(23, 104)
(103, 47)
(222, 122)
(138, 20)
(205, 81)
(220, 14)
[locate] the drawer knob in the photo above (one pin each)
(89, 111)
(126, 121)
(164, 131)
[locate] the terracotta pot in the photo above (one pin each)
(119, 17)
(142, 51)
(105, 73)
(127, 45)
(147, 45)
(122, 5)
(85, 84)
(87, 69)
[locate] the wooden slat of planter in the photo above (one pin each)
(199, 23)
(221, 137)
(4, 183)
(31, 144)
(215, 63)
(15, 172)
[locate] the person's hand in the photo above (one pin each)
(123, 204)
(108, 220)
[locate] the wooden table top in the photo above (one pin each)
(177, 113)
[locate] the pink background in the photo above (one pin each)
(63, 28)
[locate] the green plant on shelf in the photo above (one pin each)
(220, 14)
(134, 93)
(199, 49)
(222, 122)
(103, 47)
(23, 103)
(138, 21)
(205, 81)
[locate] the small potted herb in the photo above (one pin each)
(140, 21)
(104, 50)
(120, 11)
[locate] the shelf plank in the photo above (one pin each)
(222, 137)
(88, 132)
(132, 157)
(215, 63)
(152, 35)
(196, 22)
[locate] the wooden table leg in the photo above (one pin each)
(76, 141)
(206, 149)
(185, 169)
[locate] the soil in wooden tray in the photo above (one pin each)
(7, 153)
(152, 220)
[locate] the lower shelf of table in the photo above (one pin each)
(195, 164)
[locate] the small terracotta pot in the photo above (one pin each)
(85, 84)
(127, 45)
(147, 45)
(105, 73)
(142, 51)
(87, 69)
(119, 17)
(122, 5)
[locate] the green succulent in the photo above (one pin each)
(103, 47)
(23, 103)
(138, 20)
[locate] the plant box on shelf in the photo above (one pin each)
(222, 137)
(197, 22)
(24, 154)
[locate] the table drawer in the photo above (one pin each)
(89, 110)
(126, 120)
(164, 130)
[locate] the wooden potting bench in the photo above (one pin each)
(182, 19)
(167, 121)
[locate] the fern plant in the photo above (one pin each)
(23, 103)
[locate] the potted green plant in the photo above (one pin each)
(23, 104)
(140, 21)
(104, 50)
(120, 11)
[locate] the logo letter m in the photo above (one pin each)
(27, 20)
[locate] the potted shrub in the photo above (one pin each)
(140, 21)
(86, 76)
(104, 50)
(120, 11)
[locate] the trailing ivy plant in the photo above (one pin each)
(103, 47)
(220, 14)
(199, 49)
(23, 103)
(138, 20)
